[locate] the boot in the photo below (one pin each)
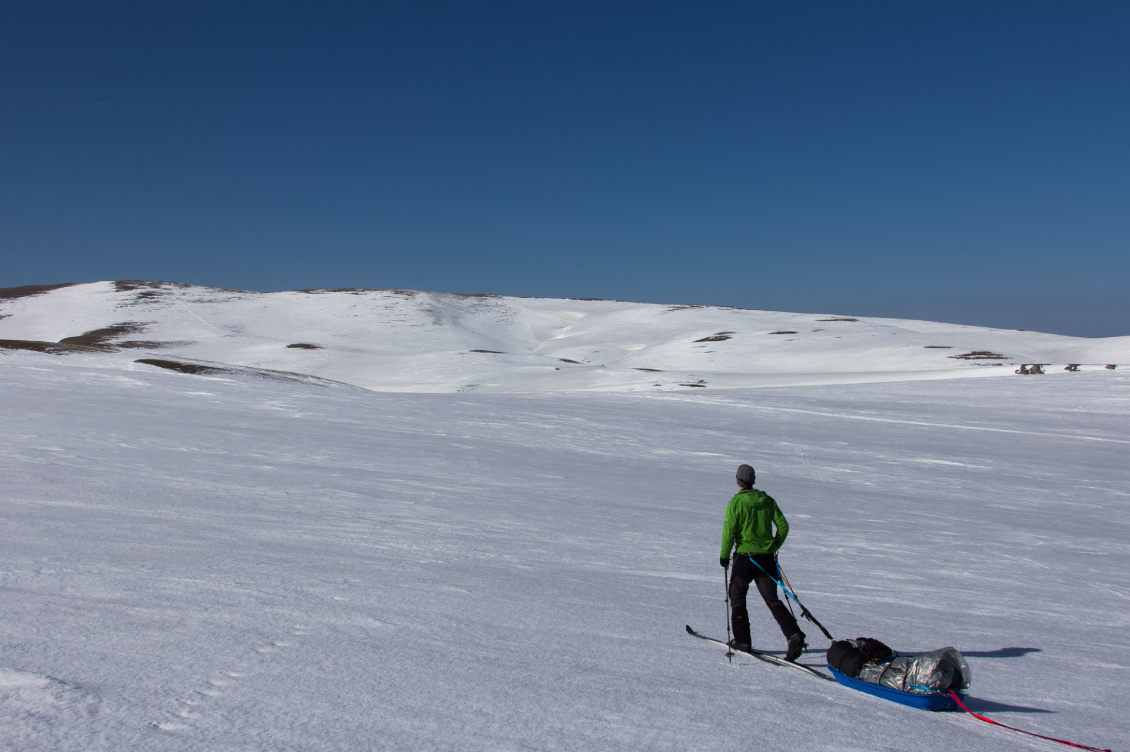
(796, 647)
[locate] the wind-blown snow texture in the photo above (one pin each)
(229, 562)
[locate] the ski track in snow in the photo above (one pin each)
(202, 699)
(214, 563)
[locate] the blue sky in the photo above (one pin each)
(957, 161)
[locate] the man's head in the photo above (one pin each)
(746, 476)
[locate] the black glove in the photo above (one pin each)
(724, 562)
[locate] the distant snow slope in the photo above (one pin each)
(223, 563)
(395, 340)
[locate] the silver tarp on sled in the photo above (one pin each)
(936, 671)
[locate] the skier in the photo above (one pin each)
(750, 518)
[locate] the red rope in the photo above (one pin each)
(1029, 733)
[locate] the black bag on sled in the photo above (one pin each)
(850, 656)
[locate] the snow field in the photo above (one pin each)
(201, 563)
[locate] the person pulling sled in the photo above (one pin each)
(748, 531)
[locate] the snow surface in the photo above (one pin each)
(232, 562)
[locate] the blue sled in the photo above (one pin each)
(933, 701)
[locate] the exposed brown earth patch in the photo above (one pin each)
(938, 347)
(144, 290)
(27, 291)
(979, 355)
(101, 337)
(719, 337)
(574, 362)
(133, 285)
(842, 319)
(649, 370)
(304, 346)
(148, 290)
(358, 291)
(143, 344)
(180, 367)
(54, 348)
(204, 369)
(350, 290)
(492, 352)
(96, 340)
(784, 332)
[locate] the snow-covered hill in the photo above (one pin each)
(248, 559)
(394, 340)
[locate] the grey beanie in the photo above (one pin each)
(746, 475)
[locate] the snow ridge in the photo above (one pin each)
(402, 340)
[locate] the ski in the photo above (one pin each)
(763, 656)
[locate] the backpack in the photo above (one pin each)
(850, 656)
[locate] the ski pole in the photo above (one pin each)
(726, 579)
(785, 580)
(803, 611)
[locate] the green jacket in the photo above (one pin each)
(750, 517)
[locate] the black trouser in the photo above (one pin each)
(745, 572)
